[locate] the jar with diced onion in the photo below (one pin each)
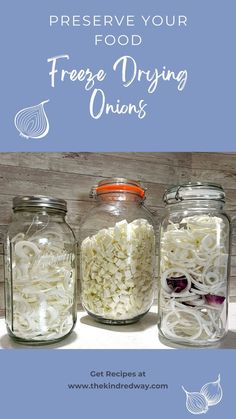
(194, 265)
(40, 280)
(117, 254)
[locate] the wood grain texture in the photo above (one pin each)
(1, 299)
(222, 162)
(102, 165)
(71, 175)
(69, 186)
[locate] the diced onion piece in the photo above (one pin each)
(117, 266)
(214, 299)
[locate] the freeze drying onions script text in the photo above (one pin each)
(129, 73)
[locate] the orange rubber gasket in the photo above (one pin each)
(121, 187)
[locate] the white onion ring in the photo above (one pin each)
(194, 248)
(165, 286)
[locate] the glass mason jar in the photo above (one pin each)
(194, 265)
(40, 283)
(117, 253)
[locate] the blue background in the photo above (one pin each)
(200, 118)
(35, 383)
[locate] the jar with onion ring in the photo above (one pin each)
(194, 265)
(40, 279)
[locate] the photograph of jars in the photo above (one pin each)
(117, 253)
(194, 265)
(40, 278)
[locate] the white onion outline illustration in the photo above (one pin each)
(32, 122)
(196, 403)
(210, 394)
(213, 392)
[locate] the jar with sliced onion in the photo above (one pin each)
(194, 265)
(40, 280)
(117, 253)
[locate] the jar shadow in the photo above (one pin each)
(229, 342)
(7, 343)
(148, 321)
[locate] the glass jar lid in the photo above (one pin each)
(194, 191)
(118, 185)
(39, 201)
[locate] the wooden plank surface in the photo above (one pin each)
(71, 175)
(94, 162)
(1, 299)
(214, 161)
(155, 169)
(69, 186)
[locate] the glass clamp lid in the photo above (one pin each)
(20, 202)
(194, 191)
(118, 185)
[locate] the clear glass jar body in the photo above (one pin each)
(117, 259)
(40, 280)
(194, 267)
